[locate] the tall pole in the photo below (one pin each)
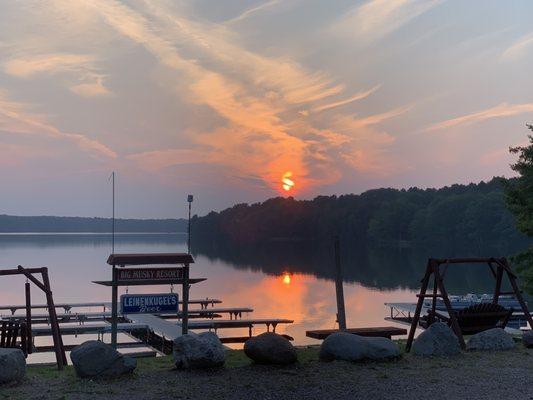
(341, 313)
(185, 289)
(189, 200)
(114, 308)
(113, 215)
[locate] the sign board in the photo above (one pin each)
(151, 274)
(149, 303)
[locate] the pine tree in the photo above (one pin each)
(519, 196)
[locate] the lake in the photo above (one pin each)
(281, 280)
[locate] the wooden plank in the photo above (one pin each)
(150, 282)
(150, 259)
(383, 331)
(105, 304)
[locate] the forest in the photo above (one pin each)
(473, 216)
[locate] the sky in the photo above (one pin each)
(239, 101)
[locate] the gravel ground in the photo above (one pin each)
(483, 375)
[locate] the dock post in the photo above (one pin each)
(114, 308)
(29, 342)
(185, 295)
(341, 313)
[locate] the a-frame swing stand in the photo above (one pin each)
(45, 287)
(436, 270)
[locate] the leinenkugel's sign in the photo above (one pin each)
(152, 274)
(149, 303)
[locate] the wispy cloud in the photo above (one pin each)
(500, 111)
(356, 97)
(15, 118)
(519, 48)
(86, 80)
(257, 95)
(250, 12)
(378, 18)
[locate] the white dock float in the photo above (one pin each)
(166, 329)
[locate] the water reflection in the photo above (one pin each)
(282, 280)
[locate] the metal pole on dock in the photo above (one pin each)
(185, 289)
(114, 308)
(341, 314)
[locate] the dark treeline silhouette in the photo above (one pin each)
(470, 217)
(17, 224)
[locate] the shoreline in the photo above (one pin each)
(479, 375)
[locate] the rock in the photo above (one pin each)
(349, 347)
(437, 340)
(270, 348)
(492, 339)
(12, 365)
(194, 351)
(380, 348)
(94, 359)
(527, 339)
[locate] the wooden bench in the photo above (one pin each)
(381, 331)
(10, 331)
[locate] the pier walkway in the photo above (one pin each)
(204, 304)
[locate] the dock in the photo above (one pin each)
(153, 331)
(67, 307)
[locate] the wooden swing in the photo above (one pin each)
(472, 319)
(24, 329)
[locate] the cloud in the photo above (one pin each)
(87, 80)
(15, 118)
(519, 48)
(256, 99)
(356, 97)
(250, 12)
(500, 111)
(376, 19)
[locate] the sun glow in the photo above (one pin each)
(286, 278)
(286, 181)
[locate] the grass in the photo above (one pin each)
(159, 377)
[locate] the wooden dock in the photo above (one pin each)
(105, 305)
(153, 331)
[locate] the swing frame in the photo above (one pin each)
(436, 269)
(29, 273)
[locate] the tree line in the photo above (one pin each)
(473, 216)
(17, 224)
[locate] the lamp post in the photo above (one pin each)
(190, 198)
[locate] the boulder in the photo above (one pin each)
(12, 365)
(193, 351)
(527, 339)
(270, 348)
(93, 359)
(492, 339)
(437, 340)
(349, 347)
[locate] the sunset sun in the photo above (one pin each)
(286, 182)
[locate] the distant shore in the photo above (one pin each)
(95, 225)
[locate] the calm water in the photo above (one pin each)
(278, 281)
